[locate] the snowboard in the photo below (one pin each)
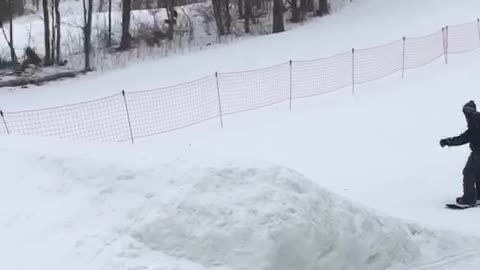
(457, 206)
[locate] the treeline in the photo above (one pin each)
(227, 16)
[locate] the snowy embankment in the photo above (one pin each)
(73, 208)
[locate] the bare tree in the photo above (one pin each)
(58, 26)
(18, 7)
(54, 33)
(228, 16)
(109, 23)
(278, 11)
(248, 15)
(171, 18)
(323, 8)
(101, 4)
(36, 3)
(10, 41)
(87, 32)
(12, 47)
(295, 12)
(310, 5)
(306, 5)
(126, 8)
(3, 10)
(217, 13)
(46, 31)
(14, 7)
(240, 9)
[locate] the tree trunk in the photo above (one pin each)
(172, 17)
(278, 10)
(4, 12)
(13, 55)
(310, 6)
(87, 32)
(323, 8)
(54, 33)
(125, 42)
(217, 12)
(101, 4)
(109, 23)
(254, 4)
(306, 5)
(303, 4)
(257, 4)
(58, 24)
(248, 15)
(295, 12)
(18, 7)
(228, 16)
(240, 9)
(46, 30)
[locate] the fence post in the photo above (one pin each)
(4, 123)
(445, 42)
(478, 25)
(353, 70)
(219, 100)
(446, 45)
(291, 79)
(403, 58)
(128, 116)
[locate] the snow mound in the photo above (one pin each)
(95, 212)
(274, 218)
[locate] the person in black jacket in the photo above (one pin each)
(471, 172)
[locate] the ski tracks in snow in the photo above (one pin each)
(468, 260)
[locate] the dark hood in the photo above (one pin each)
(469, 109)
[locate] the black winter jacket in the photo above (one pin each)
(472, 134)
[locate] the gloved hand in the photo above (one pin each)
(443, 142)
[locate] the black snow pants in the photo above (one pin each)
(471, 178)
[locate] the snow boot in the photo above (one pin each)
(461, 201)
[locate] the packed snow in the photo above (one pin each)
(341, 181)
(77, 208)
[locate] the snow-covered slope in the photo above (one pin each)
(361, 24)
(157, 203)
(76, 211)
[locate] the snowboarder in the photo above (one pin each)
(471, 172)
